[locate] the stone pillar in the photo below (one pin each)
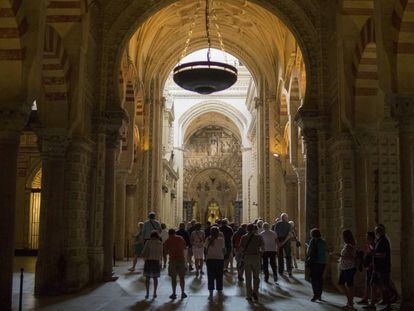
(96, 254)
(120, 215)
(51, 262)
(311, 176)
(11, 123)
(403, 107)
(115, 120)
(301, 208)
(131, 218)
(291, 182)
(77, 207)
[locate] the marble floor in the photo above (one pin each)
(127, 293)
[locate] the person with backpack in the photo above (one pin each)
(269, 251)
(316, 262)
(215, 249)
(237, 253)
(152, 254)
(348, 267)
(197, 244)
(150, 225)
(251, 246)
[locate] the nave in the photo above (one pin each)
(128, 293)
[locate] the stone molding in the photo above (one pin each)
(53, 142)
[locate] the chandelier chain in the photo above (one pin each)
(190, 31)
(208, 29)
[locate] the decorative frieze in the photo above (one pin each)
(53, 142)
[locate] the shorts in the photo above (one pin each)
(176, 267)
(380, 278)
(347, 277)
(198, 252)
(152, 268)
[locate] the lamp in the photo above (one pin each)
(205, 77)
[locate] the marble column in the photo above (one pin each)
(120, 214)
(11, 123)
(115, 120)
(51, 262)
(404, 111)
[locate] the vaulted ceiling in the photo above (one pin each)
(248, 31)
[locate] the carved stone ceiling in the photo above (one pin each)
(214, 119)
(249, 32)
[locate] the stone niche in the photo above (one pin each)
(213, 172)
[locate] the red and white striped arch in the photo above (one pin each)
(55, 69)
(403, 27)
(365, 72)
(64, 11)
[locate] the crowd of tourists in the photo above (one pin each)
(253, 248)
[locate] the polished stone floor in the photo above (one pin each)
(128, 292)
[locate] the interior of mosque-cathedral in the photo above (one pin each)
(94, 133)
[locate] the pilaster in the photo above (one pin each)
(120, 208)
(403, 111)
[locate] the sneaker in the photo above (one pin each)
(173, 296)
(255, 297)
(131, 269)
(183, 296)
(314, 299)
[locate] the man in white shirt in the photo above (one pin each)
(270, 251)
(150, 225)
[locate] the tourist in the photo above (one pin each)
(260, 226)
(138, 245)
(381, 277)
(237, 253)
(175, 247)
(182, 232)
(269, 251)
(164, 237)
(228, 236)
(316, 262)
(150, 225)
(347, 266)
(294, 243)
(197, 243)
(152, 254)
(368, 265)
(282, 229)
(207, 229)
(215, 249)
(251, 245)
(190, 229)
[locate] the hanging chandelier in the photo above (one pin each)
(205, 77)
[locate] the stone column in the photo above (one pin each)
(291, 182)
(311, 176)
(96, 254)
(77, 207)
(403, 107)
(113, 137)
(131, 218)
(11, 123)
(120, 215)
(51, 262)
(301, 207)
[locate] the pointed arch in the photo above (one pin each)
(55, 74)
(365, 71)
(403, 21)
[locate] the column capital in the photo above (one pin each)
(12, 121)
(403, 110)
(115, 120)
(53, 142)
